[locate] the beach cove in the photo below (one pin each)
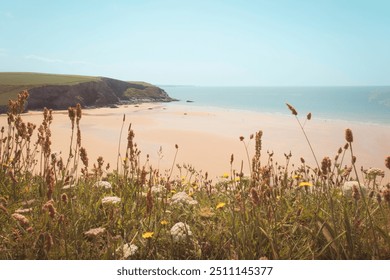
(208, 136)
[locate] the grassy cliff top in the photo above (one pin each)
(38, 79)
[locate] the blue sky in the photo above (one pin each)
(230, 43)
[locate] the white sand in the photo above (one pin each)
(208, 136)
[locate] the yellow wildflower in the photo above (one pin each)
(225, 176)
(147, 234)
(164, 222)
(220, 205)
(297, 176)
(305, 184)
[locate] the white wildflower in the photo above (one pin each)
(111, 200)
(93, 232)
(127, 250)
(348, 186)
(157, 189)
(372, 173)
(180, 232)
(182, 198)
(103, 184)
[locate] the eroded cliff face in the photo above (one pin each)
(100, 93)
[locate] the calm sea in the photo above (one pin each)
(362, 104)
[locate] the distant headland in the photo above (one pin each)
(58, 92)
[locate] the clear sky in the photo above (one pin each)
(201, 42)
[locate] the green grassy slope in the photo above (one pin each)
(25, 78)
(11, 83)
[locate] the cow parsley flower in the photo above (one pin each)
(157, 189)
(182, 198)
(103, 184)
(111, 200)
(127, 250)
(372, 173)
(180, 232)
(348, 187)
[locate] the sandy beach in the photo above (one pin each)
(208, 136)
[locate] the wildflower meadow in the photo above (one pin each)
(70, 207)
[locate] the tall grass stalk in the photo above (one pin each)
(295, 113)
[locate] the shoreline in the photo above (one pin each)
(208, 136)
(277, 113)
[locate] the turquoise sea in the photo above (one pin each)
(369, 104)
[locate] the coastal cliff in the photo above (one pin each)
(93, 92)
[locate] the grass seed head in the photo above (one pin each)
(94, 232)
(326, 165)
(78, 112)
(292, 109)
(49, 207)
(387, 162)
(255, 197)
(348, 135)
(23, 221)
(386, 195)
(64, 198)
(355, 193)
(84, 156)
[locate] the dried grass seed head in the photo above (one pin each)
(348, 135)
(292, 109)
(21, 219)
(94, 232)
(387, 162)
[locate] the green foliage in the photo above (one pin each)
(279, 212)
(36, 79)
